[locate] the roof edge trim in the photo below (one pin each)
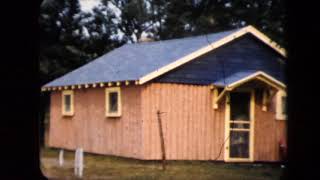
(265, 78)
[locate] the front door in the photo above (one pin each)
(239, 124)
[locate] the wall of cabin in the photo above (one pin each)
(268, 131)
(193, 130)
(91, 130)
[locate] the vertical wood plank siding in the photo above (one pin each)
(192, 129)
(268, 132)
(91, 130)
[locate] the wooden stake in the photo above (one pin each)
(78, 162)
(163, 150)
(61, 157)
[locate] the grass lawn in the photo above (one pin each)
(110, 167)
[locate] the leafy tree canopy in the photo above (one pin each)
(70, 37)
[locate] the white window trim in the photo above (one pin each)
(71, 112)
(279, 115)
(107, 92)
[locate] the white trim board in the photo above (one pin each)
(260, 76)
(248, 29)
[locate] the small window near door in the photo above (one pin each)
(67, 103)
(281, 105)
(113, 102)
(240, 106)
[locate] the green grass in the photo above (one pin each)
(110, 167)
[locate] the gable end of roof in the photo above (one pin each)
(248, 29)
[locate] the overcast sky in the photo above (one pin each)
(87, 5)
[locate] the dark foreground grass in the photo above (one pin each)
(110, 167)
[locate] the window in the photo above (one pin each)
(281, 105)
(67, 103)
(113, 102)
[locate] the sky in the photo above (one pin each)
(87, 5)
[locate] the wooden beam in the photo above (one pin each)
(221, 95)
(270, 83)
(215, 97)
(264, 100)
(266, 40)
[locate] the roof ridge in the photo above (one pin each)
(181, 38)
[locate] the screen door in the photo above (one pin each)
(239, 125)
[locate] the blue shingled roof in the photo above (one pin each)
(233, 78)
(133, 61)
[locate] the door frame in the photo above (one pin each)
(227, 128)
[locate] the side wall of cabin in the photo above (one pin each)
(193, 130)
(90, 129)
(268, 131)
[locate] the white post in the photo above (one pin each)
(61, 157)
(78, 162)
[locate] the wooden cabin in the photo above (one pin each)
(221, 97)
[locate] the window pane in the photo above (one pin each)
(67, 102)
(113, 102)
(283, 104)
(239, 144)
(240, 106)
